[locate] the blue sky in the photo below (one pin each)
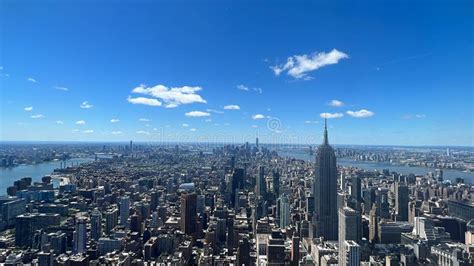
(388, 73)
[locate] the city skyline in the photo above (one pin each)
(236, 133)
(189, 73)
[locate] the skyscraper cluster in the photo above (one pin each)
(235, 205)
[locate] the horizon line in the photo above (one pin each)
(223, 142)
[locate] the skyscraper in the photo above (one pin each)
(124, 210)
(350, 225)
(401, 201)
(188, 213)
(356, 188)
(96, 225)
(261, 182)
(111, 220)
(373, 224)
(237, 183)
(80, 236)
(284, 211)
(295, 250)
(350, 253)
(276, 183)
(350, 228)
(325, 191)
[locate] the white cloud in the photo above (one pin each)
(61, 88)
(331, 115)
(171, 105)
(86, 105)
(336, 103)
(116, 132)
(258, 116)
(185, 125)
(232, 107)
(80, 122)
(254, 126)
(114, 120)
(143, 132)
(29, 108)
(32, 80)
(144, 101)
(246, 88)
(311, 122)
(172, 97)
(192, 129)
(197, 114)
(298, 66)
(242, 87)
(214, 111)
(37, 116)
(361, 113)
(88, 131)
(59, 122)
(144, 120)
(411, 116)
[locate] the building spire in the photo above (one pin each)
(325, 131)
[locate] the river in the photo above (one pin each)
(35, 171)
(449, 174)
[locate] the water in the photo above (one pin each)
(449, 174)
(35, 171)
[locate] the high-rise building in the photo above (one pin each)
(276, 183)
(350, 228)
(276, 249)
(45, 258)
(349, 253)
(356, 188)
(27, 224)
(369, 198)
(373, 224)
(325, 192)
(414, 210)
(350, 225)
(401, 201)
(96, 225)
(124, 210)
(111, 220)
(237, 184)
(284, 211)
(261, 183)
(154, 200)
(383, 206)
(135, 224)
(80, 236)
(243, 252)
(295, 251)
(188, 213)
(461, 209)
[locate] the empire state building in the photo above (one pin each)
(325, 218)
